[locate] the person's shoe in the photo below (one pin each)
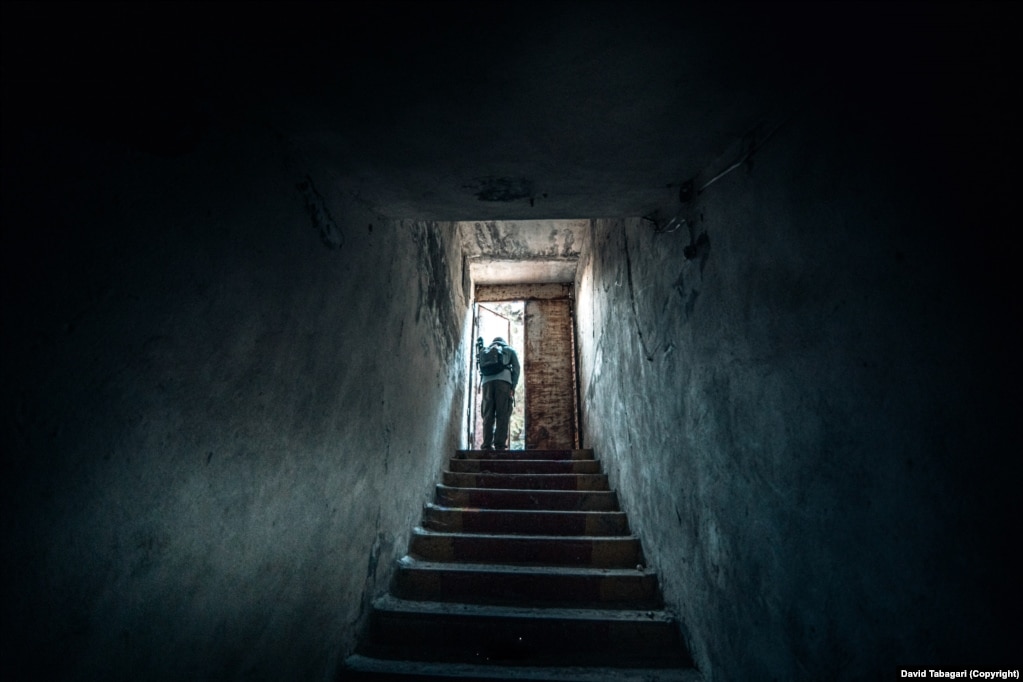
(487, 447)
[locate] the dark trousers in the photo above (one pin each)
(497, 407)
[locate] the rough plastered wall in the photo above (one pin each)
(210, 461)
(804, 397)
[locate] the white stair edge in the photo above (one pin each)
(392, 604)
(408, 561)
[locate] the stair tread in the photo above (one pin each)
(519, 460)
(538, 482)
(525, 466)
(392, 603)
(526, 490)
(409, 561)
(523, 568)
(443, 488)
(509, 474)
(538, 549)
(518, 538)
(426, 670)
(518, 522)
(466, 497)
(524, 512)
(583, 454)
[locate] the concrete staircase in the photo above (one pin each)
(523, 569)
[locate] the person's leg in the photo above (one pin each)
(503, 408)
(489, 414)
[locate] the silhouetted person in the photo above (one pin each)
(499, 372)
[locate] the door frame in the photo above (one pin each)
(538, 291)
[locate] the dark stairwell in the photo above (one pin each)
(524, 568)
(239, 245)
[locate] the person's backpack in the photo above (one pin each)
(491, 360)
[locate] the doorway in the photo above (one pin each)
(547, 391)
(505, 319)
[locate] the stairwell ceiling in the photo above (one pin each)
(448, 111)
(524, 111)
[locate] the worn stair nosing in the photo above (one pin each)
(630, 588)
(527, 499)
(392, 604)
(561, 636)
(520, 460)
(445, 486)
(592, 550)
(422, 670)
(411, 562)
(524, 467)
(521, 537)
(558, 475)
(552, 455)
(473, 520)
(579, 482)
(524, 512)
(525, 462)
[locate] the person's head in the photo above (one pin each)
(498, 339)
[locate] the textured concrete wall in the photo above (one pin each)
(209, 463)
(807, 414)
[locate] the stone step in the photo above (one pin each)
(525, 466)
(524, 454)
(524, 522)
(467, 633)
(526, 585)
(526, 481)
(360, 668)
(524, 568)
(533, 550)
(563, 500)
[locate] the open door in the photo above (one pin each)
(504, 319)
(548, 369)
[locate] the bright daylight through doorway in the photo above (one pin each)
(504, 319)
